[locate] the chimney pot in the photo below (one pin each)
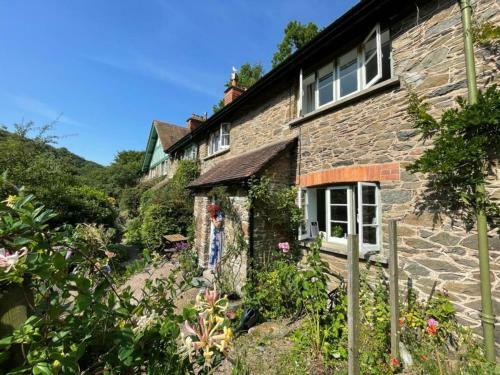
(195, 121)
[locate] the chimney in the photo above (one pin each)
(233, 91)
(195, 121)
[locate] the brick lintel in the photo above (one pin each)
(353, 173)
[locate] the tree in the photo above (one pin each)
(248, 74)
(28, 159)
(125, 169)
(296, 36)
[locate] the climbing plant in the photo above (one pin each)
(465, 147)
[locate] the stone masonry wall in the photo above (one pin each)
(376, 132)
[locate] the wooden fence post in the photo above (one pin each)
(393, 288)
(353, 323)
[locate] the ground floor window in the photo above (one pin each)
(338, 210)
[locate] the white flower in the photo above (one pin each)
(9, 261)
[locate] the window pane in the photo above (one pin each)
(368, 194)
(386, 55)
(326, 89)
(308, 105)
(338, 196)
(338, 213)
(369, 214)
(371, 69)
(338, 230)
(371, 46)
(370, 235)
(348, 74)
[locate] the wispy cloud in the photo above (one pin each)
(140, 64)
(39, 108)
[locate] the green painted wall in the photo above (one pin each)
(158, 154)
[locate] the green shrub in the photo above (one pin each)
(133, 231)
(79, 321)
(167, 210)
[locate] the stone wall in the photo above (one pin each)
(427, 52)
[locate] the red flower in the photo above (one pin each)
(394, 362)
(401, 321)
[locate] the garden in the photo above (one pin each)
(68, 305)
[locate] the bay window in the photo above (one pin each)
(219, 140)
(336, 211)
(355, 70)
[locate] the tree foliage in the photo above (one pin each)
(296, 36)
(465, 145)
(248, 74)
(28, 159)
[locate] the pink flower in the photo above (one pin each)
(8, 260)
(109, 254)
(284, 246)
(432, 326)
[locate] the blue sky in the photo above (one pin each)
(107, 68)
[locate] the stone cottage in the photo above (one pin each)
(332, 120)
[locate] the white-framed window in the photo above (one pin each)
(220, 139)
(355, 70)
(338, 210)
(190, 153)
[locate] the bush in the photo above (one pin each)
(165, 211)
(79, 322)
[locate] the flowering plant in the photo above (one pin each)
(284, 247)
(205, 341)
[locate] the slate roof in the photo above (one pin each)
(242, 166)
(169, 133)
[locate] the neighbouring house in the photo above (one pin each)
(161, 136)
(332, 120)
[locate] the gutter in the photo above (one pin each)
(352, 19)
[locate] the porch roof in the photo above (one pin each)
(243, 166)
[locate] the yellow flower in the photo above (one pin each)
(10, 201)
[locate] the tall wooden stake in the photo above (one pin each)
(353, 323)
(393, 288)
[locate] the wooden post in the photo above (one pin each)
(393, 288)
(353, 323)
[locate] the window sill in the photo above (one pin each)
(216, 154)
(351, 99)
(373, 257)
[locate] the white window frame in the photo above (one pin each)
(361, 74)
(334, 79)
(358, 75)
(349, 206)
(378, 43)
(303, 234)
(369, 247)
(354, 214)
(219, 132)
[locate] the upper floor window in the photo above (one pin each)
(219, 140)
(355, 70)
(189, 153)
